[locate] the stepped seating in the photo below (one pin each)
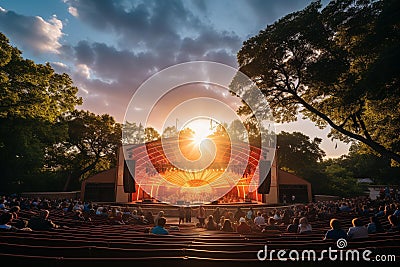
(97, 243)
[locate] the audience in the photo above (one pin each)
(382, 215)
(221, 222)
(336, 232)
(227, 226)
(294, 226)
(374, 226)
(394, 224)
(304, 226)
(159, 229)
(17, 221)
(41, 222)
(358, 230)
(271, 226)
(243, 227)
(5, 222)
(211, 224)
(159, 215)
(259, 220)
(149, 218)
(239, 214)
(217, 214)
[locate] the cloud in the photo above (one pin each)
(60, 67)
(83, 70)
(151, 36)
(32, 32)
(73, 11)
(160, 26)
(268, 11)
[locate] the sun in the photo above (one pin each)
(202, 129)
(199, 137)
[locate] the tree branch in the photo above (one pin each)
(369, 142)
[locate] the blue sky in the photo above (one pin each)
(109, 48)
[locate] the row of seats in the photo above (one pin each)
(97, 243)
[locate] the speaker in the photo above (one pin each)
(264, 183)
(128, 177)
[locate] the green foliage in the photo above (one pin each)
(133, 133)
(298, 153)
(32, 98)
(32, 91)
(170, 131)
(341, 180)
(151, 134)
(338, 66)
(90, 147)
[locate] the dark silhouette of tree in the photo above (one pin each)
(337, 65)
(91, 146)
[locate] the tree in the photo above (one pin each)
(32, 98)
(133, 133)
(170, 131)
(151, 134)
(236, 131)
(337, 66)
(91, 146)
(30, 90)
(298, 154)
(22, 152)
(341, 181)
(364, 163)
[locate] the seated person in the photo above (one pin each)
(394, 223)
(336, 232)
(159, 229)
(381, 211)
(79, 215)
(5, 222)
(259, 220)
(358, 230)
(115, 216)
(375, 225)
(227, 226)
(344, 207)
(211, 224)
(41, 222)
(271, 226)
(397, 211)
(17, 221)
(294, 226)
(304, 226)
(221, 222)
(243, 227)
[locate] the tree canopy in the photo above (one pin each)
(337, 66)
(32, 98)
(91, 146)
(44, 140)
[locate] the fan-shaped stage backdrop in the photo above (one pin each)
(237, 173)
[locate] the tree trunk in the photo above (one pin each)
(79, 173)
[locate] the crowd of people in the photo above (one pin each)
(367, 216)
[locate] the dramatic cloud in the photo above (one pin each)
(151, 36)
(32, 32)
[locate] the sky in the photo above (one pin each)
(110, 48)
